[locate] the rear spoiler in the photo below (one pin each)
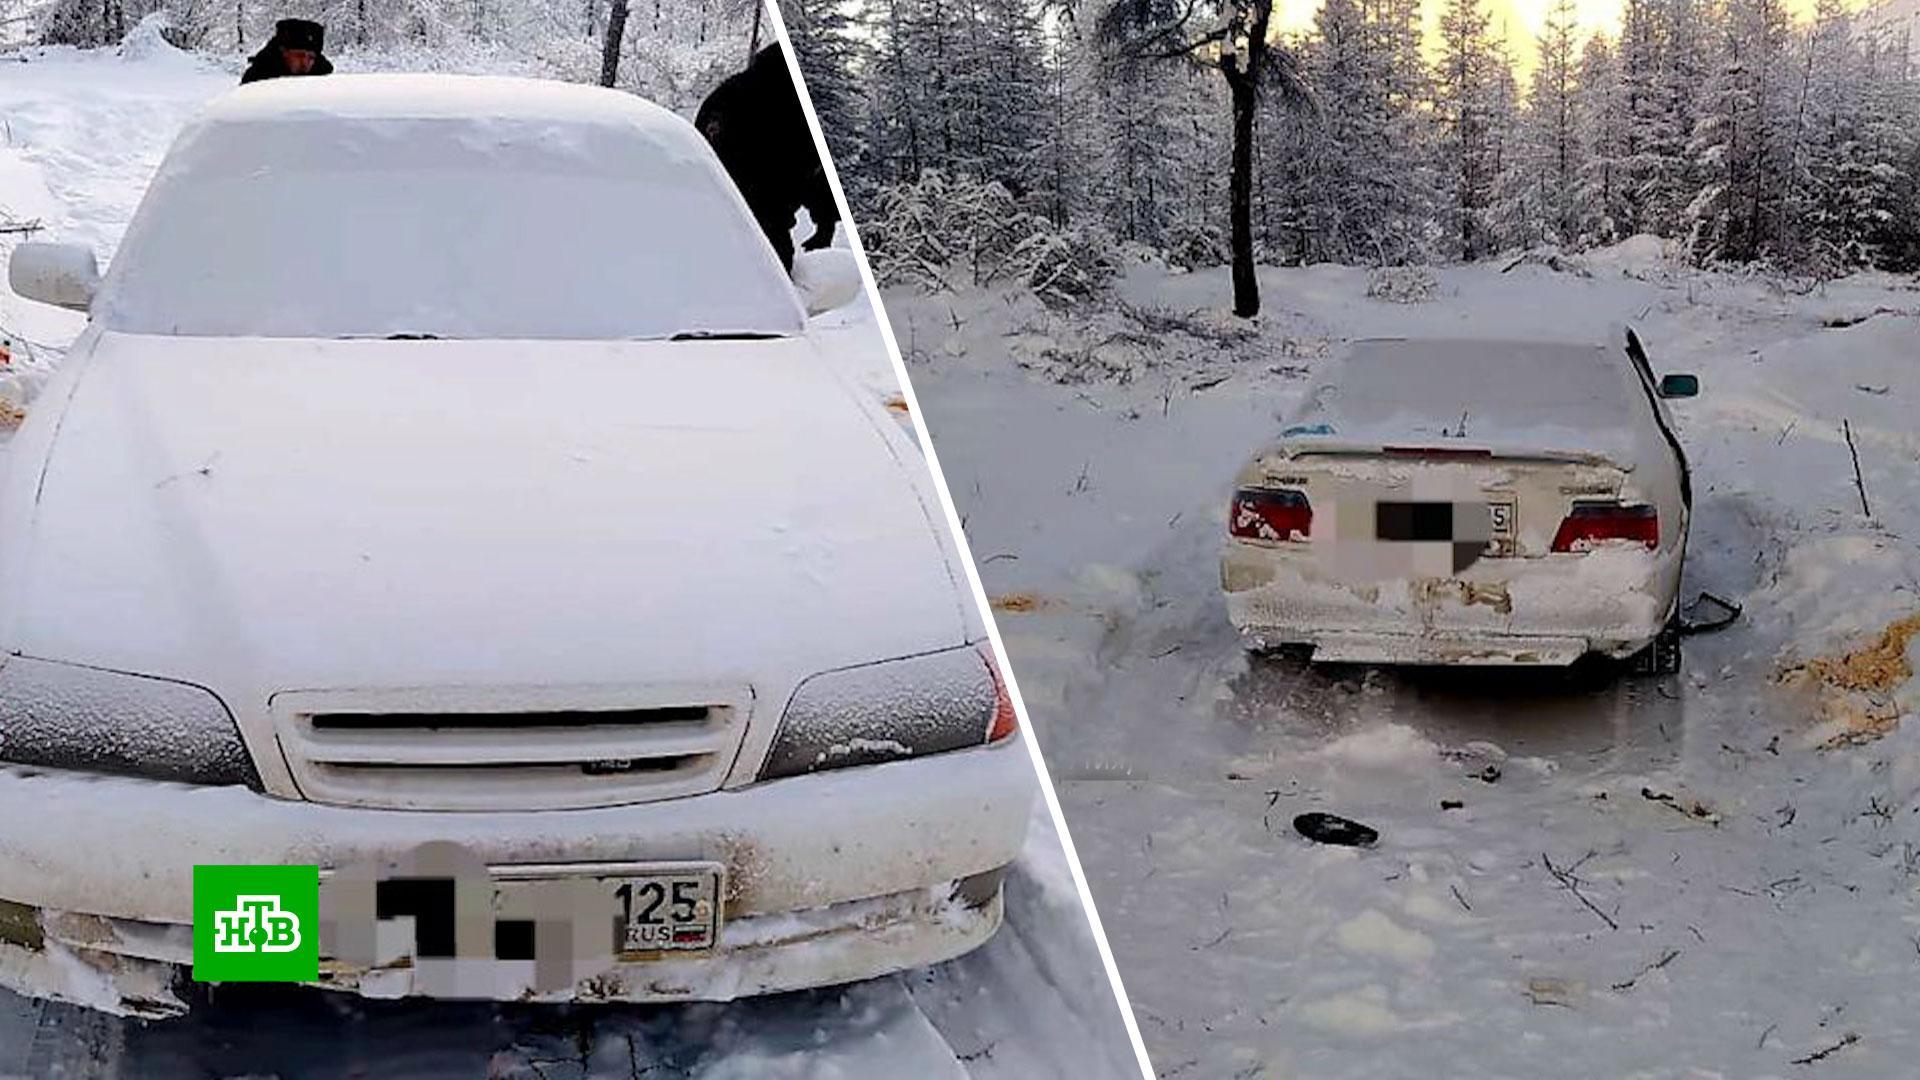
(1322, 446)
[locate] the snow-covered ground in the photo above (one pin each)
(1712, 875)
(80, 135)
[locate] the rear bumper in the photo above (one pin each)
(1338, 647)
(834, 876)
(1538, 611)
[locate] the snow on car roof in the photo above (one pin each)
(424, 96)
(1507, 394)
(448, 206)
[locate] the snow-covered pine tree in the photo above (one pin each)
(1826, 165)
(1513, 215)
(1644, 115)
(1684, 31)
(1890, 138)
(959, 86)
(1741, 144)
(1195, 233)
(1014, 96)
(1412, 232)
(1339, 173)
(1555, 156)
(1296, 189)
(1070, 131)
(1147, 118)
(900, 136)
(1462, 102)
(672, 51)
(830, 54)
(1602, 117)
(1231, 37)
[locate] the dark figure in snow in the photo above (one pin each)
(755, 124)
(294, 50)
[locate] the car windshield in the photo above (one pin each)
(313, 225)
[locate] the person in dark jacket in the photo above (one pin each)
(295, 50)
(756, 126)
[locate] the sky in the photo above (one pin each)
(1522, 20)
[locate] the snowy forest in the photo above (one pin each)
(671, 51)
(1030, 138)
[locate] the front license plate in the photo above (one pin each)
(655, 907)
(668, 910)
(1501, 537)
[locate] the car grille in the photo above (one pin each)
(519, 760)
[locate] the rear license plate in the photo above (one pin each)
(1413, 522)
(1501, 511)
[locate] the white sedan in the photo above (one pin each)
(450, 462)
(1468, 502)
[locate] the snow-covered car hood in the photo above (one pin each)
(262, 515)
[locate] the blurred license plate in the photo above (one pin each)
(668, 910)
(1500, 509)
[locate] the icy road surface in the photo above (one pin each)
(83, 134)
(1713, 875)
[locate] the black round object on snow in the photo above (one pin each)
(1332, 829)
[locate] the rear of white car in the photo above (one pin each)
(544, 534)
(1463, 502)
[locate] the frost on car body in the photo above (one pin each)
(1464, 502)
(511, 506)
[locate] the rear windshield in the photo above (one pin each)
(1487, 388)
(328, 227)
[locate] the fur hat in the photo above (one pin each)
(300, 34)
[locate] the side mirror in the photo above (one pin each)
(826, 279)
(1679, 386)
(64, 275)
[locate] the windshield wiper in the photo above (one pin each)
(413, 337)
(723, 335)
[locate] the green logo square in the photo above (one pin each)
(256, 923)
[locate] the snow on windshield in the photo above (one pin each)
(1505, 391)
(456, 208)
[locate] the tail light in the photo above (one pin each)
(1270, 514)
(1592, 523)
(1005, 720)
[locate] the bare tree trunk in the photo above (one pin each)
(610, 49)
(753, 46)
(1246, 290)
(1244, 85)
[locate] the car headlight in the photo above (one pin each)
(889, 710)
(66, 716)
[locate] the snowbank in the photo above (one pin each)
(146, 43)
(1635, 256)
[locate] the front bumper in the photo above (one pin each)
(832, 877)
(1537, 611)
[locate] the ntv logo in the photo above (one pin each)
(256, 924)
